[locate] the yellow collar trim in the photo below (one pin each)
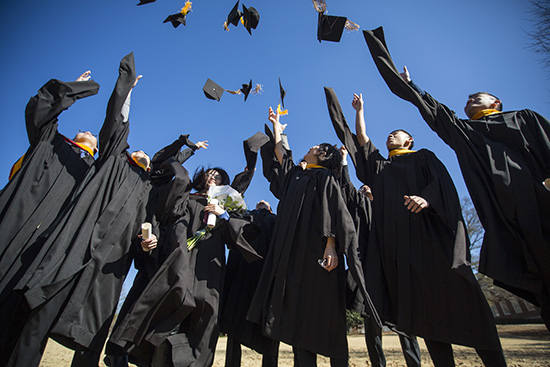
(17, 166)
(394, 152)
(482, 113)
(311, 165)
(86, 148)
(139, 163)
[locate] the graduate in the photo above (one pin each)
(504, 158)
(359, 206)
(41, 184)
(419, 233)
(174, 322)
(85, 256)
(241, 280)
(300, 298)
(169, 192)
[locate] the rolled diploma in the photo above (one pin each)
(146, 230)
(211, 222)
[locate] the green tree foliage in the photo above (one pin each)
(354, 321)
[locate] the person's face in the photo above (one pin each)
(86, 138)
(397, 140)
(311, 156)
(213, 178)
(141, 157)
(480, 102)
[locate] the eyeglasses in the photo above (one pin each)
(214, 175)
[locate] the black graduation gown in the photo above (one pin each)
(46, 181)
(180, 304)
(297, 301)
(433, 292)
(90, 247)
(167, 198)
(360, 209)
(241, 280)
(504, 158)
(270, 164)
(169, 193)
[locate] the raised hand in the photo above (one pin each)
(85, 76)
(405, 74)
(357, 102)
(202, 144)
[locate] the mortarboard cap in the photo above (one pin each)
(143, 2)
(234, 16)
(246, 89)
(179, 18)
(212, 90)
(330, 27)
(175, 19)
(282, 92)
(251, 18)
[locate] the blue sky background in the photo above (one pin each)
(451, 49)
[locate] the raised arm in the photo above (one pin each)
(360, 129)
(277, 131)
(53, 98)
(115, 129)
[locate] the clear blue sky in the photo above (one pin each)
(451, 49)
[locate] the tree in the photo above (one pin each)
(474, 228)
(540, 36)
(354, 321)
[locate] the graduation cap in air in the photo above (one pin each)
(246, 89)
(143, 2)
(282, 92)
(179, 18)
(233, 17)
(251, 18)
(214, 91)
(330, 27)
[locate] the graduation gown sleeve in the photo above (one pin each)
(52, 99)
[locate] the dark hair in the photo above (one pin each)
(499, 108)
(332, 159)
(199, 178)
(406, 132)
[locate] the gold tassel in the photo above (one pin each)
(258, 89)
(233, 91)
(351, 26)
(186, 8)
(280, 111)
(320, 5)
